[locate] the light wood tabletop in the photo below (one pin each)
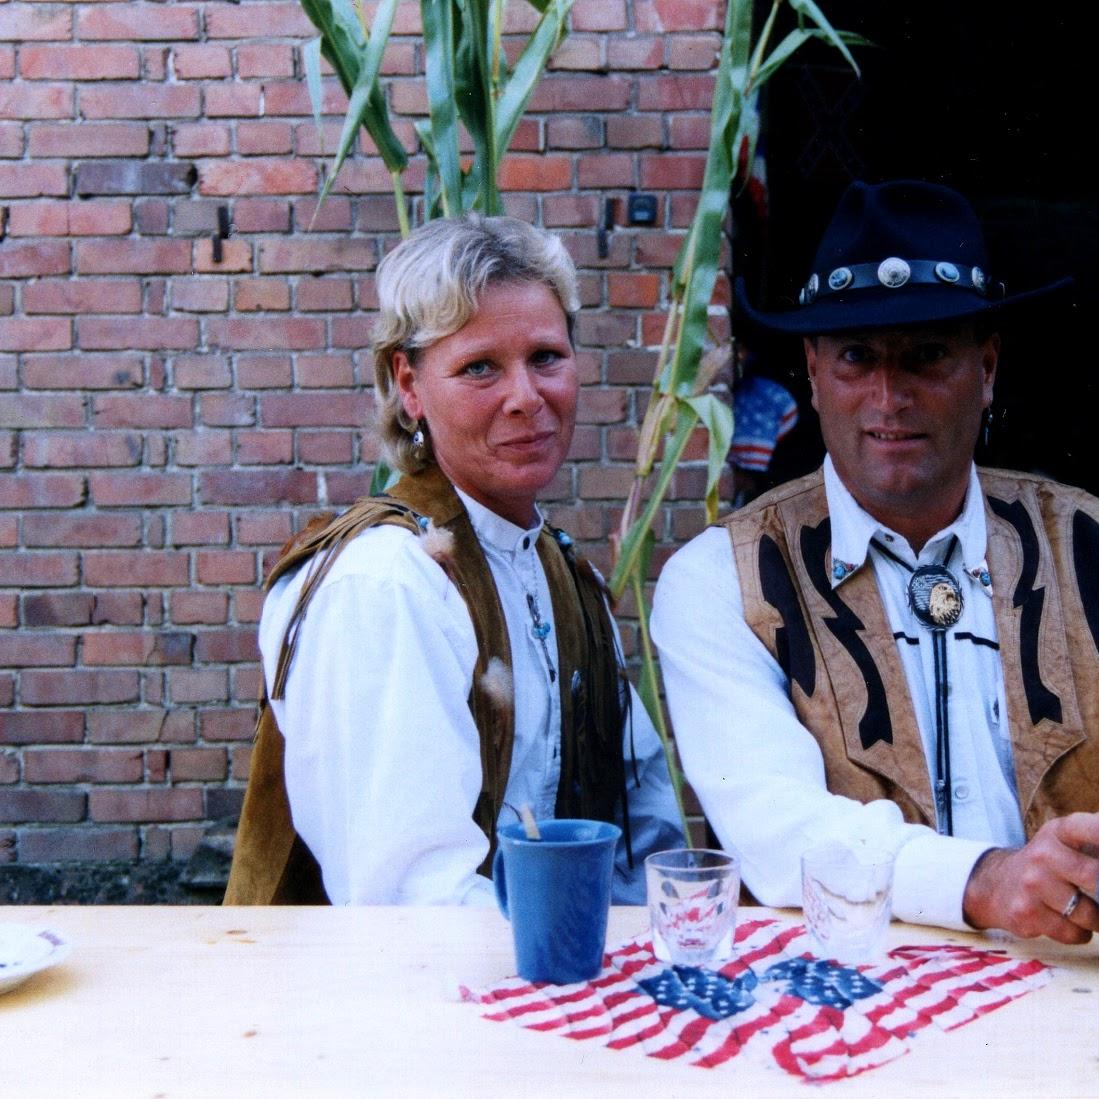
(207, 1002)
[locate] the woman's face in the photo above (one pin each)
(498, 397)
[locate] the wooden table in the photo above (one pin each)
(238, 1002)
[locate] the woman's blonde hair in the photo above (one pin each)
(431, 284)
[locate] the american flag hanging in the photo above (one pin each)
(772, 1003)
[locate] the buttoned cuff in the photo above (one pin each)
(930, 876)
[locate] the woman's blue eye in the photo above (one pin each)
(477, 369)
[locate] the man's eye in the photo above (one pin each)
(855, 354)
(545, 357)
(931, 352)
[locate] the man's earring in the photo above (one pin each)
(986, 434)
(419, 444)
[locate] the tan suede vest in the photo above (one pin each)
(271, 863)
(846, 679)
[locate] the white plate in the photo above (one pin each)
(25, 950)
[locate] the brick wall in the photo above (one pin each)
(175, 400)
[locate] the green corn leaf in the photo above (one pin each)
(717, 417)
(342, 38)
(529, 68)
(811, 11)
(311, 60)
(439, 48)
(477, 102)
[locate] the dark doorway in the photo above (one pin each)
(995, 105)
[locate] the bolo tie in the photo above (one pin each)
(935, 599)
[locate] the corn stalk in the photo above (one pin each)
(688, 360)
(470, 87)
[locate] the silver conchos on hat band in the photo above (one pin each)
(947, 272)
(840, 278)
(980, 279)
(893, 272)
(935, 597)
(810, 290)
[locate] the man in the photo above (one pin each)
(900, 650)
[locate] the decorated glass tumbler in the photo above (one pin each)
(692, 904)
(556, 891)
(847, 897)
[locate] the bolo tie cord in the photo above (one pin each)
(944, 800)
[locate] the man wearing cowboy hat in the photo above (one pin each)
(900, 650)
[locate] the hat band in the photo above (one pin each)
(893, 273)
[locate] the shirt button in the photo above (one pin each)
(961, 792)
(526, 543)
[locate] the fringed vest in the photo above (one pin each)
(845, 676)
(271, 863)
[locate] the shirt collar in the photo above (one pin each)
(496, 531)
(853, 528)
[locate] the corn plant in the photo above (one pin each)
(469, 84)
(688, 358)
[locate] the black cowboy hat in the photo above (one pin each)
(898, 253)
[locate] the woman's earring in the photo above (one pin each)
(987, 433)
(419, 444)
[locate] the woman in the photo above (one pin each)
(437, 657)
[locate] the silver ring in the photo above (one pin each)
(1069, 908)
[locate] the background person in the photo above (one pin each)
(813, 698)
(438, 657)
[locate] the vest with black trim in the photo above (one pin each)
(845, 676)
(271, 862)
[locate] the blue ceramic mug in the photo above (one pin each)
(556, 891)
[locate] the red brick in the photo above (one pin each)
(633, 291)
(36, 727)
(599, 15)
(198, 764)
(133, 257)
(267, 333)
(28, 650)
(202, 372)
(88, 139)
(678, 15)
(19, 411)
(79, 62)
(332, 254)
(202, 448)
(208, 608)
(71, 765)
(234, 256)
(269, 487)
(258, 448)
(225, 567)
(30, 258)
(314, 409)
(137, 21)
(154, 63)
(141, 410)
(261, 215)
(263, 528)
(200, 528)
(198, 685)
(266, 59)
(35, 806)
(57, 608)
(81, 844)
(11, 139)
(658, 249)
(675, 93)
(116, 647)
(131, 726)
(81, 529)
(584, 132)
(688, 131)
(606, 170)
(257, 177)
(146, 805)
(624, 53)
(9, 608)
(580, 93)
(247, 605)
(85, 296)
(541, 173)
(7, 62)
(226, 410)
(118, 608)
(42, 490)
(29, 101)
(263, 138)
(9, 768)
(577, 54)
(95, 371)
(143, 100)
(693, 51)
(34, 22)
(78, 686)
(145, 568)
(636, 131)
(233, 100)
(258, 20)
(264, 371)
(199, 296)
(135, 489)
(202, 62)
(201, 139)
(32, 180)
(252, 295)
(78, 450)
(151, 333)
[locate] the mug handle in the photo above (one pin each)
(499, 883)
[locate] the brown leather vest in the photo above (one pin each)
(846, 680)
(271, 863)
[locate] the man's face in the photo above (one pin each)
(900, 411)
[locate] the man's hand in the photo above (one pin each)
(1028, 890)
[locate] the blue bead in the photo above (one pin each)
(839, 570)
(986, 579)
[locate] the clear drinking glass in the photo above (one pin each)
(693, 896)
(847, 897)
